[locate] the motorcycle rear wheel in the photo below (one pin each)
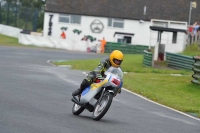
(103, 106)
(76, 110)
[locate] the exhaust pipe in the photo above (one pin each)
(75, 100)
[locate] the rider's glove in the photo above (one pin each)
(99, 76)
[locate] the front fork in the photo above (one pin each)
(102, 93)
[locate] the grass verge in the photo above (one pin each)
(9, 41)
(12, 41)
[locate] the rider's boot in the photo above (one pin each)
(85, 83)
(77, 92)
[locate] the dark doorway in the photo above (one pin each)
(161, 52)
(127, 39)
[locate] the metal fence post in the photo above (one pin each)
(8, 13)
(15, 12)
(35, 18)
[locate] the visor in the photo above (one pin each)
(117, 62)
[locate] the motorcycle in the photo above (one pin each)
(98, 97)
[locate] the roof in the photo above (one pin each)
(176, 10)
(123, 33)
(156, 28)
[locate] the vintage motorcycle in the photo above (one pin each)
(98, 97)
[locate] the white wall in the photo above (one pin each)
(10, 31)
(167, 40)
(141, 31)
(46, 41)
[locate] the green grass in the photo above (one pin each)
(173, 91)
(131, 63)
(8, 41)
(192, 50)
(11, 41)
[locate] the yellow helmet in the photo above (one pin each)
(116, 58)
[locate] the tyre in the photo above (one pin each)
(76, 110)
(103, 106)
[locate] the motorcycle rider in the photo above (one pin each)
(115, 60)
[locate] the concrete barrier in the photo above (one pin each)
(9, 31)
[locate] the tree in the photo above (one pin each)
(26, 14)
(36, 8)
(32, 3)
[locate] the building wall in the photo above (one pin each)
(141, 31)
(166, 38)
(177, 47)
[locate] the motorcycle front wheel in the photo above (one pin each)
(102, 106)
(77, 109)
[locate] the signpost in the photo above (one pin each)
(192, 5)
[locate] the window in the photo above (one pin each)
(174, 37)
(73, 19)
(118, 23)
(160, 24)
(120, 40)
(125, 39)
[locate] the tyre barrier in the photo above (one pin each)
(147, 58)
(196, 69)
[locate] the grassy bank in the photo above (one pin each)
(9, 41)
(12, 41)
(192, 50)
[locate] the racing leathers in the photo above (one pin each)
(98, 72)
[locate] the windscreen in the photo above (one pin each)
(115, 71)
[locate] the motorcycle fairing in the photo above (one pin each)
(97, 85)
(91, 91)
(85, 91)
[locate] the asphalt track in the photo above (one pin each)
(35, 97)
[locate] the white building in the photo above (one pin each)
(133, 31)
(127, 21)
(120, 21)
